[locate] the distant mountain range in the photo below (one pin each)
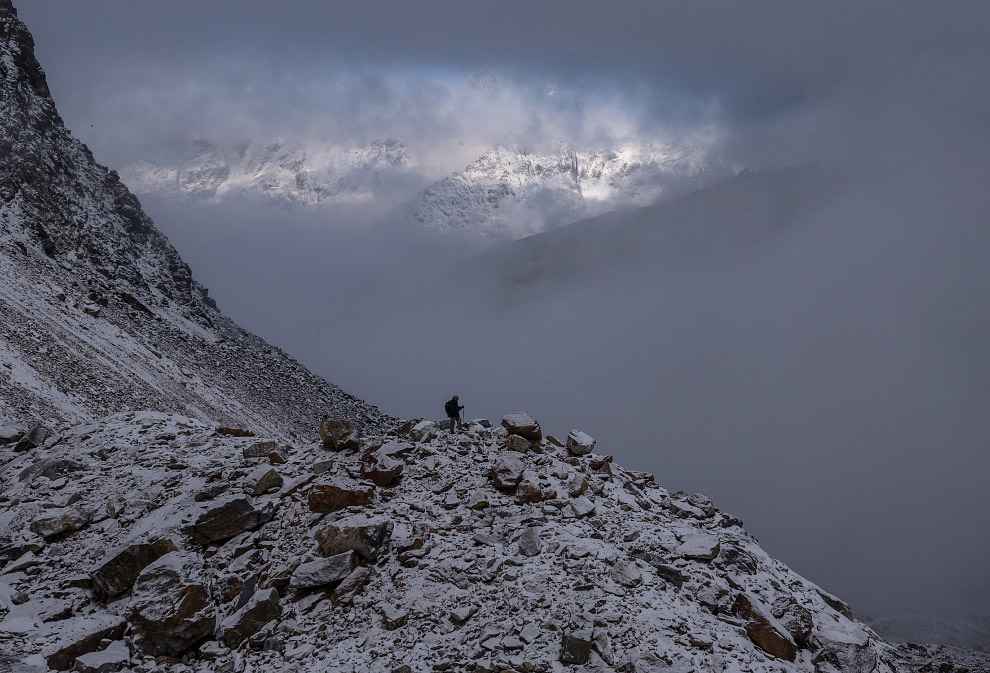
(507, 193)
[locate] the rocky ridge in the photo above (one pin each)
(285, 172)
(98, 313)
(149, 542)
(511, 192)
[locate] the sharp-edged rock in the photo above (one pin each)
(226, 517)
(261, 608)
(60, 522)
(80, 636)
(323, 571)
(524, 425)
(368, 537)
(170, 609)
(763, 629)
(339, 494)
(117, 572)
(580, 443)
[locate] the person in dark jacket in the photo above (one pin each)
(453, 410)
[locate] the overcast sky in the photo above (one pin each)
(851, 364)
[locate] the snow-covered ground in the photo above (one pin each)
(472, 551)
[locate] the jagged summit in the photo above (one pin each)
(493, 549)
(511, 191)
(99, 313)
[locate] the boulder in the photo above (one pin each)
(117, 572)
(393, 617)
(113, 658)
(368, 537)
(351, 586)
(339, 494)
(763, 629)
(262, 479)
(670, 574)
(384, 472)
(580, 443)
(170, 609)
(460, 616)
(33, 438)
(260, 449)
(506, 473)
(10, 434)
(626, 573)
(517, 443)
(529, 491)
(699, 548)
(844, 649)
(530, 543)
(339, 435)
(80, 636)
(796, 618)
(575, 647)
(60, 522)
(702, 503)
(324, 571)
(226, 517)
(262, 607)
(53, 468)
(577, 485)
(524, 425)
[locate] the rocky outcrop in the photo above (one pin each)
(323, 572)
(339, 494)
(763, 629)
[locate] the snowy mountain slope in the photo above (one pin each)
(420, 550)
(963, 632)
(99, 313)
(513, 192)
(280, 171)
(740, 211)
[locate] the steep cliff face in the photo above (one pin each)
(99, 312)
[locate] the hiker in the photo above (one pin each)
(453, 410)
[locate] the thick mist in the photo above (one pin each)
(827, 384)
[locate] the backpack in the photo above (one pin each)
(452, 409)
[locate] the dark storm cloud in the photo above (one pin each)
(832, 388)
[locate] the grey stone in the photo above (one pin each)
(575, 647)
(261, 608)
(323, 571)
(225, 518)
(118, 571)
(524, 425)
(530, 543)
(580, 443)
(368, 537)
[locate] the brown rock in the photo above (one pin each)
(86, 635)
(506, 473)
(339, 434)
(225, 518)
(352, 586)
(261, 608)
(331, 497)
(524, 425)
(761, 627)
(384, 471)
(368, 537)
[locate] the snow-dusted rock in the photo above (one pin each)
(580, 443)
(33, 438)
(702, 502)
(384, 471)
(79, 636)
(524, 425)
(170, 609)
(338, 494)
(626, 573)
(506, 472)
(575, 647)
(263, 479)
(763, 629)
(699, 547)
(114, 657)
(261, 608)
(394, 617)
(339, 434)
(260, 449)
(226, 517)
(323, 571)
(117, 572)
(530, 543)
(368, 537)
(60, 522)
